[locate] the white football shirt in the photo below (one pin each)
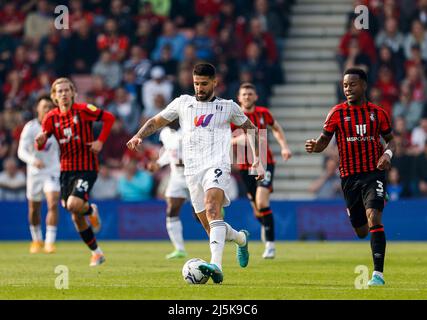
(172, 145)
(28, 153)
(206, 132)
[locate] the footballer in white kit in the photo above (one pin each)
(176, 191)
(206, 143)
(43, 171)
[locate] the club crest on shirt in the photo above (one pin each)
(75, 119)
(91, 107)
(372, 116)
(347, 119)
(218, 107)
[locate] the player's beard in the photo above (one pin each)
(205, 97)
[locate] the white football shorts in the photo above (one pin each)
(199, 183)
(37, 185)
(177, 186)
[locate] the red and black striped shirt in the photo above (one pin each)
(261, 117)
(73, 130)
(357, 130)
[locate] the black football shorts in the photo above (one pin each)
(77, 183)
(252, 184)
(363, 191)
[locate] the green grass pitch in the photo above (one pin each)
(138, 270)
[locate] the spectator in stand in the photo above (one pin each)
(5, 141)
(20, 62)
(51, 62)
(78, 15)
(170, 36)
(416, 60)
(406, 108)
(105, 187)
(113, 41)
(207, 7)
(269, 18)
(394, 186)
(417, 36)
(145, 37)
(364, 38)
(161, 7)
(255, 64)
(228, 18)
(158, 85)
(356, 58)
(113, 151)
(390, 36)
(419, 136)
(388, 87)
(182, 13)
(416, 79)
(139, 62)
(121, 14)
(420, 12)
(101, 94)
(404, 163)
(12, 20)
(189, 59)
(83, 52)
(109, 69)
(135, 184)
(13, 91)
(12, 181)
(202, 42)
(130, 85)
(400, 129)
(264, 40)
(37, 23)
(126, 109)
(376, 97)
(328, 186)
(184, 85)
(147, 13)
(168, 63)
(421, 171)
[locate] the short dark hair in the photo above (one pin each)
(362, 74)
(247, 85)
(204, 69)
(44, 96)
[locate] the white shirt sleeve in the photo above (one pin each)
(171, 112)
(25, 146)
(237, 115)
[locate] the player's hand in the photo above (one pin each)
(133, 143)
(95, 146)
(384, 163)
(39, 164)
(153, 166)
(310, 145)
(286, 153)
(258, 169)
(41, 139)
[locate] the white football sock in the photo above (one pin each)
(174, 228)
(270, 245)
(97, 251)
(36, 233)
(237, 237)
(217, 241)
(50, 234)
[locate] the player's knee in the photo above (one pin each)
(74, 206)
(362, 234)
(211, 210)
(172, 211)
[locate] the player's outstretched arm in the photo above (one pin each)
(279, 135)
(152, 125)
(318, 145)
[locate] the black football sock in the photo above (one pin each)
(268, 223)
(378, 244)
(89, 238)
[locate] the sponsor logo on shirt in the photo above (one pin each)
(203, 120)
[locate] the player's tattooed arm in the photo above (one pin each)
(151, 126)
(384, 163)
(317, 145)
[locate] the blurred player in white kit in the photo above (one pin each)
(42, 179)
